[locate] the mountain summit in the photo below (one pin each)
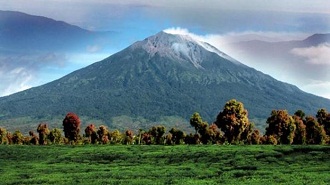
(182, 48)
(163, 75)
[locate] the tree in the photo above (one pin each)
(55, 136)
(115, 137)
(300, 133)
(254, 138)
(157, 132)
(315, 133)
(3, 136)
(233, 121)
(281, 125)
(300, 114)
(196, 121)
(17, 137)
(177, 136)
(129, 137)
(103, 133)
(43, 133)
(323, 117)
(71, 127)
(90, 132)
(34, 138)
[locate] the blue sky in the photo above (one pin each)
(215, 21)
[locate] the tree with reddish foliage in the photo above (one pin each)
(43, 133)
(71, 127)
(103, 133)
(146, 138)
(233, 121)
(129, 137)
(281, 125)
(34, 138)
(90, 133)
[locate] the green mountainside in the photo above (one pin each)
(162, 76)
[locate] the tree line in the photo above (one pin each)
(231, 126)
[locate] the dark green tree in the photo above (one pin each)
(157, 132)
(177, 136)
(323, 117)
(300, 114)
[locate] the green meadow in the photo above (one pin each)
(156, 164)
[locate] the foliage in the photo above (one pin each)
(157, 132)
(281, 125)
(234, 122)
(323, 117)
(300, 133)
(315, 133)
(71, 126)
(17, 138)
(3, 135)
(91, 134)
(43, 133)
(55, 136)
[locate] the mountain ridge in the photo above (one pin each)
(163, 82)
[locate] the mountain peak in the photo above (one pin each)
(179, 47)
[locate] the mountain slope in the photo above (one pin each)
(163, 75)
(301, 62)
(26, 33)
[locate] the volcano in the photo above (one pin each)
(160, 76)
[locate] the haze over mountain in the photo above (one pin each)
(161, 76)
(306, 59)
(32, 48)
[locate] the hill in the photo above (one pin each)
(24, 33)
(162, 76)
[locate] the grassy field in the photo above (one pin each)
(183, 164)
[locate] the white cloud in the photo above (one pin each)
(93, 48)
(16, 80)
(321, 88)
(319, 55)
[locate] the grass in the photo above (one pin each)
(183, 164)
